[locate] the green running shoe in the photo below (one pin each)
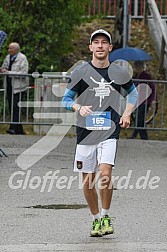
(96, 229)
(106, 225)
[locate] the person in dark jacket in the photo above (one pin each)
(141, 73)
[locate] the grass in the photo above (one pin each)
(153, 135)
(27, 128)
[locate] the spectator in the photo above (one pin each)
(141, 73)
(15, 63)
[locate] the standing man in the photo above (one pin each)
(141, 112)
(15, 63)
(98, 126)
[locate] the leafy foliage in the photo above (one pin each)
(43, 28)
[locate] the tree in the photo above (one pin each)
(43, 28)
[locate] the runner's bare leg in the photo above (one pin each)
(106, 189)
(90, 192)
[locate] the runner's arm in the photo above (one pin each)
(130, 106)
(68, 100)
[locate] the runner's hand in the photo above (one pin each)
(124, 122)
(85, 110)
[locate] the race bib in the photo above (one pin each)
(99, 121)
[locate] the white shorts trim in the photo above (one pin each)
(88, 157)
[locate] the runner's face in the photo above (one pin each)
(100, 47)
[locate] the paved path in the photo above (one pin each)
(139, 203)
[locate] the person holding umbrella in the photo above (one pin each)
(141, 73)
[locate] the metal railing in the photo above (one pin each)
(155, 116)
(108, 8)
(158, 30)
(41, 105)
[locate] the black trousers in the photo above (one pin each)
(15, 111)
(140, 120)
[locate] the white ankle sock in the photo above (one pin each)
(96, 216)
(104, 212)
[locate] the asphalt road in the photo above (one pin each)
(29, 222)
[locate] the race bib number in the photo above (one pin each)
(99, 121)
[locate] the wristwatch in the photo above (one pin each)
(79, 107)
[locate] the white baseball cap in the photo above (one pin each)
(100, 32)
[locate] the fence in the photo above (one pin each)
(41, 105)
(109, 7)
(158, 31)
